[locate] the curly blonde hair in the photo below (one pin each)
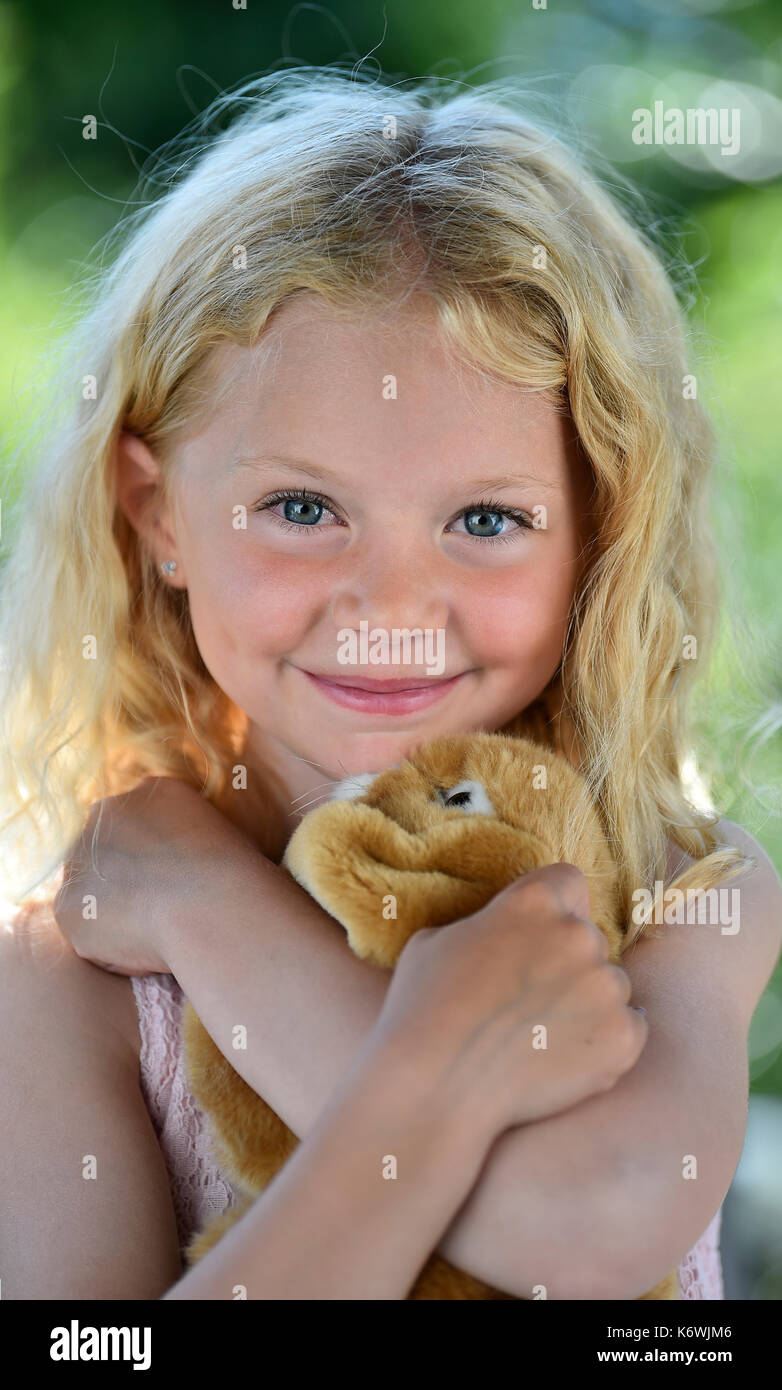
(347, 186)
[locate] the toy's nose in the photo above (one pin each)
(351, 787)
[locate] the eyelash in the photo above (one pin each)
(487, 505)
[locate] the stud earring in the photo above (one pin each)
(168, 566)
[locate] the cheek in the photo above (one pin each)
(521, 615)
(245, 602)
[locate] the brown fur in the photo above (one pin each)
(440, 863)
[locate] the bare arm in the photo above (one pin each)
(686, 1095)
(333, 1223)
(549, 1192)
(87, 1212)
(261, 953)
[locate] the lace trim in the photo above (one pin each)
(199, 1189)
(700, 1272)
(158, 1031)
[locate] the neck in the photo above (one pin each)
(281, 787)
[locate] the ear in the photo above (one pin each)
(140, 496)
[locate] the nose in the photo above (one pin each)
(389, 589)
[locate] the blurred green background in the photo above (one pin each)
(144, 70)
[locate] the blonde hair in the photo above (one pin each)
(352, 188)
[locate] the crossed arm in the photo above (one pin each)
(591, 1202)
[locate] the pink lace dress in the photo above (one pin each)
(198, 1187)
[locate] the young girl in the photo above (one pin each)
(385, 355)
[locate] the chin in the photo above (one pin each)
(373, 752)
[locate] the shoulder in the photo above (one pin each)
(726, 832)
(747, 957)
(761, 882)
(761, 892)
(43, 979)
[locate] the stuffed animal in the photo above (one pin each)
(420, 845)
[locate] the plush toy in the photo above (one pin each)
(419, 845)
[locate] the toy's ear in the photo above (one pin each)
(383, 884)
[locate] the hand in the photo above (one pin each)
(138, 856)
(464, 1000)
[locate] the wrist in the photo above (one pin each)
(406, 1164)
(448, 1127)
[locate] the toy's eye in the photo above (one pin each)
(466, 796)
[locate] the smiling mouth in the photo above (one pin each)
(403, 695)
(379, 687)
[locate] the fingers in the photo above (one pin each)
(564, 884)
(570, 889)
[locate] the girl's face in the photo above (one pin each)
(354, 478)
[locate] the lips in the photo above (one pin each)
(398, 696)
(377, 687)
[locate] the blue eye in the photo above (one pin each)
(301, 510)
(484, 523)
(307, 512)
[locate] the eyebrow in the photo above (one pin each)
(266, 462)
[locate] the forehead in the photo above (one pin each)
(310, 347)
(336, 384)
